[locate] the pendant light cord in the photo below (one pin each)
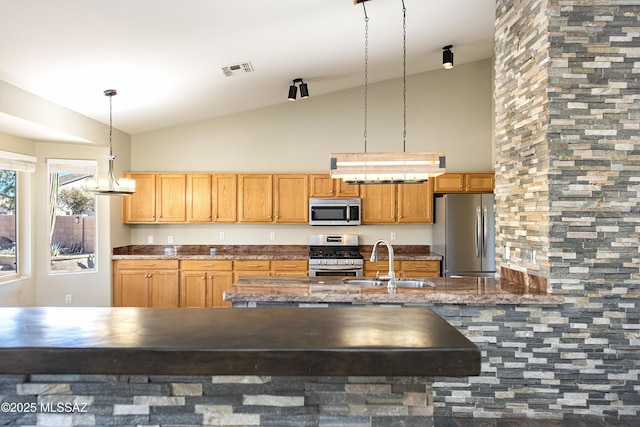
(366, 70)
(404, 75)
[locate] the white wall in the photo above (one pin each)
(448, 111)
(37, 286)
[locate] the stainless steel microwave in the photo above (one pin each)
(335, 211)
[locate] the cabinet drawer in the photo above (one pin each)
(290, 265)
(431, 266)
(251, 265)
(381, 266)
(146, 264)
(206, 265)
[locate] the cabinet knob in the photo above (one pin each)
(209, 216)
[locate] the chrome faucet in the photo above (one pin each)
(391, 275)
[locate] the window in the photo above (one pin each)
(72, 220)
(12, 166)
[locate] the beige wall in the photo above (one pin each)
(447, 111)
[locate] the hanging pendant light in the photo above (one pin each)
(386, 167)
(110, 186)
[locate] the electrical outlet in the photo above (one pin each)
(221, 235)
(68, 299)
(169, 239)
(150, 239)
(394, 235)
(272, 235)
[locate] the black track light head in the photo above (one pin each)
(447, 57)
(293, 89)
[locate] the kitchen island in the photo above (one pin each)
(267, 290)
(275, 366)
(517, 325)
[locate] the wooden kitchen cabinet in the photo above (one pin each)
(158, 198)
(297, 267)
(415, 203)
(420, 268)
(171, 197)
(146, 283)
(379, 203)
(199, 197)
(251, 268)
(140, 207)
(202, 283)
(452, 182)
(322, 185)
(374, 268)
(225, 198)
(291, 198)
(397, 203)
(255, 198)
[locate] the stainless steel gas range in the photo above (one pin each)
(335, 255)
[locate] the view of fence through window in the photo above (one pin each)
(72, 217)
(8, 241)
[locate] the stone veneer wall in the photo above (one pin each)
(104, 400)
(567, 95)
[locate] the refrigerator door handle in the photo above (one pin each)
(485, 225)
(478, 232)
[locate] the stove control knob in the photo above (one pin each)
(336, 262)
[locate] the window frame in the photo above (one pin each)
(57, 165)
(21, 164)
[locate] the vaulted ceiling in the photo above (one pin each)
(166, 57)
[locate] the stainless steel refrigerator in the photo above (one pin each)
(464, 233)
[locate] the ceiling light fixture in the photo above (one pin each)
(447, 57)
(392, 167)
(293, 89)
(110, 186)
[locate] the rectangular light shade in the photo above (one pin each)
(380, 168)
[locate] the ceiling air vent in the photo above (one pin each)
(234, 70)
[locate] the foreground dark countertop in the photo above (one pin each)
(375, 341)
(480, 291)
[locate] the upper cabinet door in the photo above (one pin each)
(291, 198)
(378, 203)
(415, 203)
(199, 198)
(255, 198)
(346, 190)
(171, 197)
(321, 185)
(140, 207)
(225, 198)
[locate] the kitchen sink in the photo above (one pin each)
(400, 283)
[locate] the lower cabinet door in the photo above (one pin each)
(193, 289)
(132, 289)
(164, 288)
(219, 282)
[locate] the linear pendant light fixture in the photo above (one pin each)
(386, 167)
(110, 186)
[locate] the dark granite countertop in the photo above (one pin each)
(262, 252)
(480, 291)
(238, 341)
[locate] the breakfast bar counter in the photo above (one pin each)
(253, 366)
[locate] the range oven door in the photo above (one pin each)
(323, 270)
